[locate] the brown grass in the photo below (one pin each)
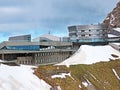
(105, 78)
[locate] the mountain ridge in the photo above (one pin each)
(113, 18)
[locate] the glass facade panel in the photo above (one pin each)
(29, 47)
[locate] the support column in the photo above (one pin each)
(3, 57)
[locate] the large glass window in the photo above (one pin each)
(82, 30)
(90, 35)
(28, 47)
(89, 30)
(83, 35)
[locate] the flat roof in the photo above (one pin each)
(7, 43)
(27, 51)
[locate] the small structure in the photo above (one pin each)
(21, 38)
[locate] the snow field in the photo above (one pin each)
(20, 78)
(91, 54)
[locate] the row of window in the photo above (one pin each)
(89, 40)
(27, 47)
(50, 60)
(97, 30)
(85, 35)
(89, 35)
(25, 62)
(50, 53)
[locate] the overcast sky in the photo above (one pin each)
(37, 17)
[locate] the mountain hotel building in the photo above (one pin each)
(48, 49)
(23, 51)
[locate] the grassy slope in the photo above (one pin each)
(100, 75)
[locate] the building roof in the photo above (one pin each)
(27, 51)
(35, 43)
(48, 36)
(20, 38)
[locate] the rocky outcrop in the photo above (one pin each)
(113, 18)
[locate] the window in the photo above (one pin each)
(97, 30)
(89, 34)
(103, 34)
(97, 34)
(27, 47)
(82, 30)
(83, 35)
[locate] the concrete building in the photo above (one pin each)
(88, 33)
(35, 52)
(22, 38)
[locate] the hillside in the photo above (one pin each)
(99, 76)
(90, 68)
(113, 18)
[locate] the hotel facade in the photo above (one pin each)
(88, 33)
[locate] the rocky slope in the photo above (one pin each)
(113, 18)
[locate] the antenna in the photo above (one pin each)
(49, 32)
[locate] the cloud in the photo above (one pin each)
(40, 16)
(9, 10)
(15, 26)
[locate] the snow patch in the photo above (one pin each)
(117, 29)
(116, 74)
(112, 19)
(79, 86)
(85, 84)
(107, 18)
(111, 35)
(116, 43)
(61, 75)
(91, 54)
(20, 78)
(93, 76)
(59, 88)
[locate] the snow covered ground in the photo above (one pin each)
(117, 29)
(91, 54)
(20, 78)
(61, 75)
(116, 74)
(110, 35)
